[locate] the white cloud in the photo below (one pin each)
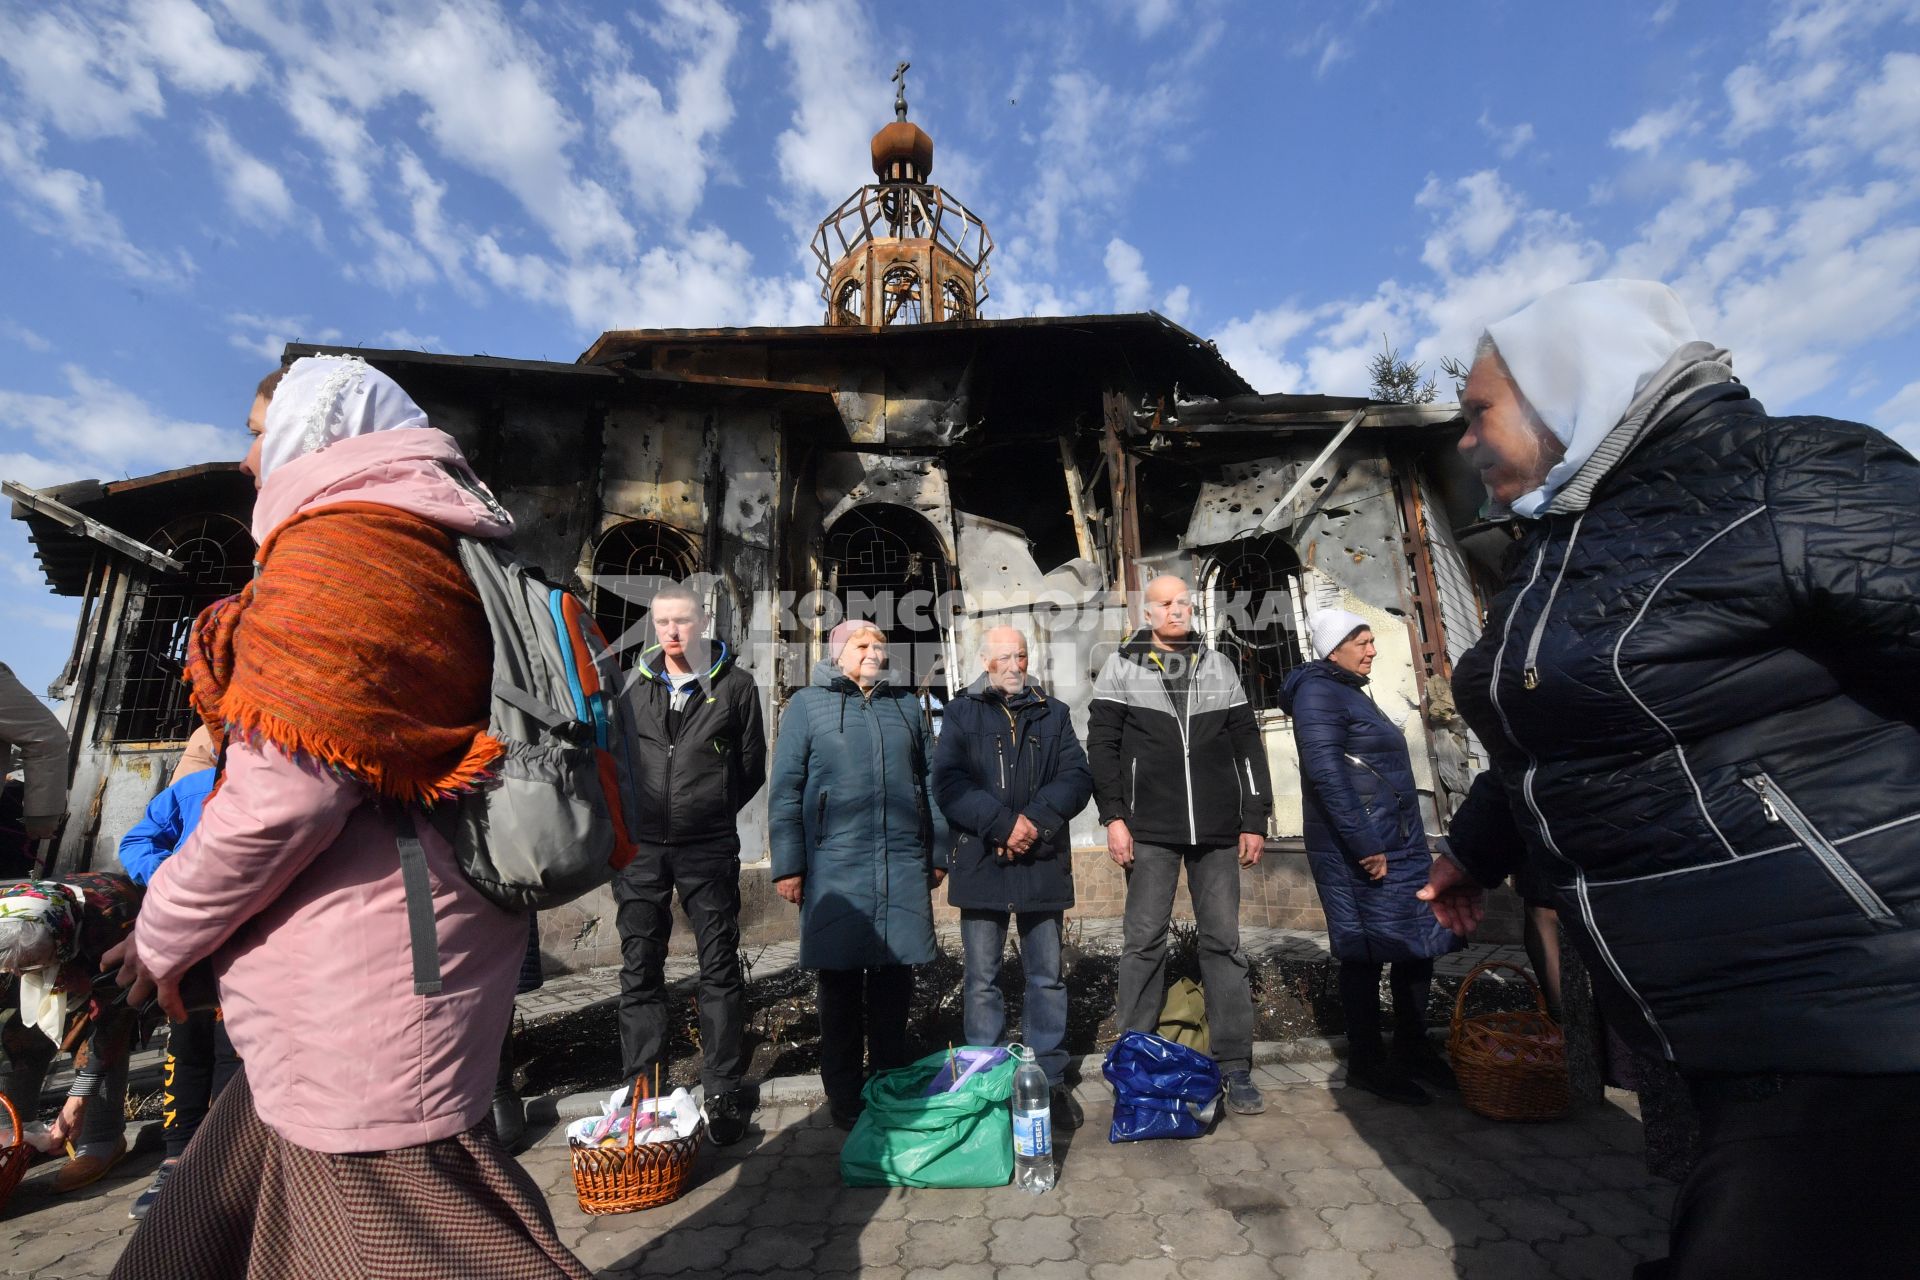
(488, 106)
(1662, 15)
(1480, 209)
(101, 429)
(1178, 304)
(1255, 347)
(668, 150)
(25, 336)
(72, 207)
(254, 189)
(1149, 17)
(1127, 273)
(837, 85)
(407, 339)
(1899, 417)
(1704, 205)
(267, 336)
(88, 80)
(1655, 129)
(181, 38)
(1508, 142)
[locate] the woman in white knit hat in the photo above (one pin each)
(1368, 850)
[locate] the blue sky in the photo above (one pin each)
(187, 184)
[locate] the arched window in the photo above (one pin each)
(956, 303)
(885, 564)
(1257, 613)
(900, 296)
(150, 696)
(629, 561)
(849, 305)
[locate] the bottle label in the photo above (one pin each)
(1033, 1133)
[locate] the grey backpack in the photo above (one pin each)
(557, 821)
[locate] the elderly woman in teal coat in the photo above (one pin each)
(858, 847)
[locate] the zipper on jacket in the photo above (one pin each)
(1778, 808)
(1133, 786)
(1186, 753)
(1530, 673)
(1000, 752)
(1540, 818)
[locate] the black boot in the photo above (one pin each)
(1369, 1068)
(509, 1112)
(1421, 1059)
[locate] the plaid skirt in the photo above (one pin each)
(246, 1204)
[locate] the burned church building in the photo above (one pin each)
(907, 461)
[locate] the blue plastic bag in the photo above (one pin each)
(1160, 1089)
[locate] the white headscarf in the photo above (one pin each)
(326, 399)
(1581, 354)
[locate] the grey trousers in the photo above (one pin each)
(1213, 882)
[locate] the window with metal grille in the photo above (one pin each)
(629, 562)
(885, 564)
(150, 658)
(1256, 612)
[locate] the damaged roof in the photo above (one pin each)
(1192, 361)
(137, 507)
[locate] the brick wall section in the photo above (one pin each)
(1278, 893)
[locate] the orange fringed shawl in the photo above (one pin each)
(362, 646)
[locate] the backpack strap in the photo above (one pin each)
(421, 934)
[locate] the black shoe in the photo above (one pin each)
(1384, 1079)
(144, 1201)
(1422, 1060)
(509, 1118)
(1243, 1096)
(727, 1115)
(1067, 1115)
(845, 1117)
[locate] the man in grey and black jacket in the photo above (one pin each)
(1180, 778)
(703, 755)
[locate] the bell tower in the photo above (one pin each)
(901, 250)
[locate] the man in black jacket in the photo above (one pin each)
(1700, 690)
(1180, 777)
(703, 755)
(1009, 774)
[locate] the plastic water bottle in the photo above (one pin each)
(1032, 1124)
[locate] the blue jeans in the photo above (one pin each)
(983, 938)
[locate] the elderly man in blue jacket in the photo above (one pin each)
(1010, 775)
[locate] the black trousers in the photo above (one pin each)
(1803, 1177)
(200, 1061)
(1409, 980)
(707, 878)
(863, 1013)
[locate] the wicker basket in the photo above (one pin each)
(1511, 1066)
(14, 1156)
(638, 1175)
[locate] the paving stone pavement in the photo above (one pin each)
(1329, 1183)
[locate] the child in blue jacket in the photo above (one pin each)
(200, 1058)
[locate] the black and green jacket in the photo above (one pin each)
(1181, 761)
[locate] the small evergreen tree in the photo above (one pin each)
(1398, 381)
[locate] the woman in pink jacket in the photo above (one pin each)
(349, 682)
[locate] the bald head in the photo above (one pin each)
(1003, 654)
(1169, 610)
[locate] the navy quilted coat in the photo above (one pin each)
(1359, 799)
(1702, 699)
(992, 765)
(848, 808)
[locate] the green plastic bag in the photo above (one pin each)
(963, 1138)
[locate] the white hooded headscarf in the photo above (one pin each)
(325, 399)
(1587, 356)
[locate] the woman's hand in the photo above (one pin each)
(939, 875)
(1457, 902)
(1375, 865)
(789, 887)
(67, 1123)
(142, 984)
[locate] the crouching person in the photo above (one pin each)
(1010, 775)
